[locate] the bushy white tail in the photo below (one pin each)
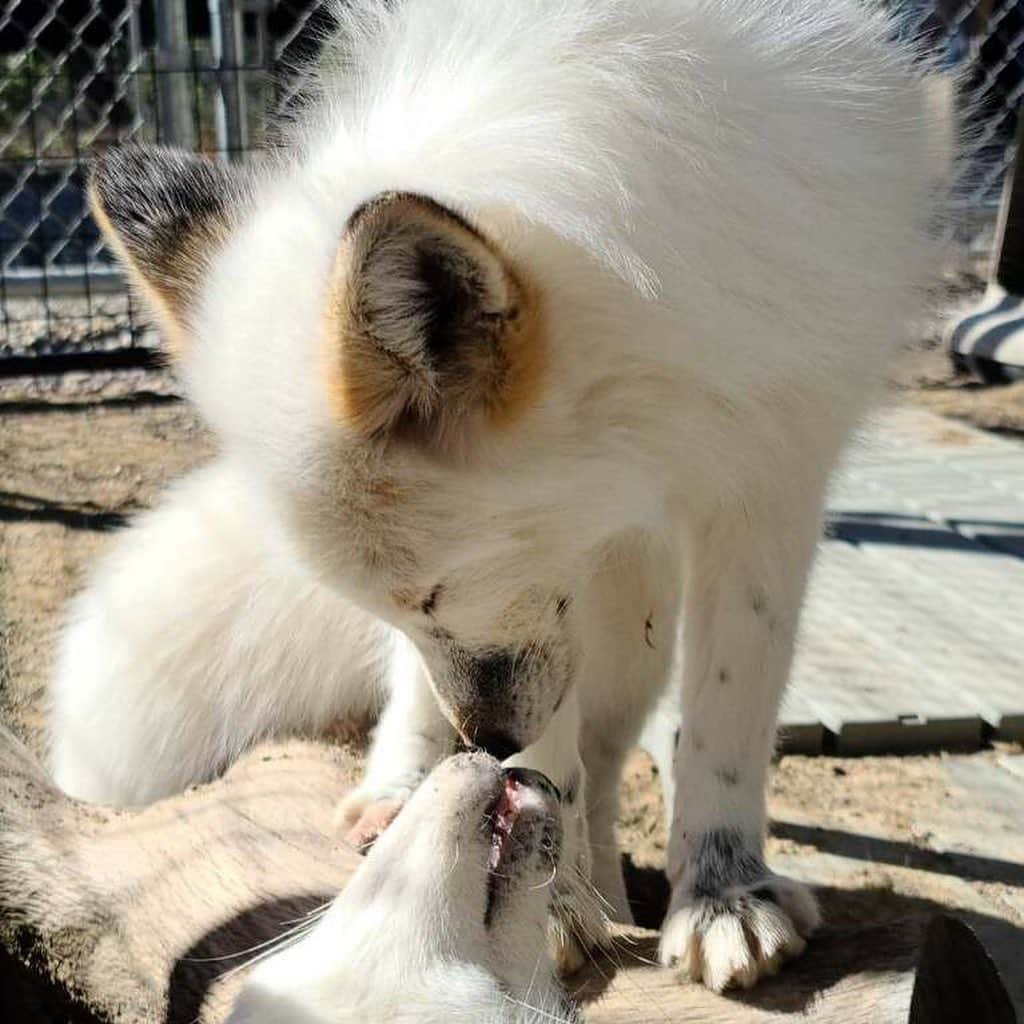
(196, 638)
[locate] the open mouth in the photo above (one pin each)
(522, 816)
(504, 816)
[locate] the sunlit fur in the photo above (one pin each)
(410, 940)
(723, 206)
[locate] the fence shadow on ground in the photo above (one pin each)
(986, 536)
(873, 929)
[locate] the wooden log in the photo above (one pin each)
(152, 915)
(144, 915)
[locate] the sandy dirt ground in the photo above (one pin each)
(926, 378)
(79, 456)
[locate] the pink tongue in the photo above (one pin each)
(505, 817)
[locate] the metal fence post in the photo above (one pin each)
(1008, 260)
(174, 95)
(135, 64)
(226, 44)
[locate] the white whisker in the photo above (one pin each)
(300, 925)
(548, 881)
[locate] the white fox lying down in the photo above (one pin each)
(444, 920)
(155, 916)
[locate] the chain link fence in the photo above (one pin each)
(983, 41)
(78, 75)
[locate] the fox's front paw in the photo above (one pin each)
(368, 810)
(732, 921)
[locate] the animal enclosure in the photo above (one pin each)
(212, 75)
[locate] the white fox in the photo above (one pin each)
(444, 921)
(530, 357)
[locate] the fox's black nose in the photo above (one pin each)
(498, 744)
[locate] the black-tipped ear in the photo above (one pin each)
(164, 212)
(429, 328)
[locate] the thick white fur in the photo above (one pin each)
(197, 638)
(725, 204)
(407, 941)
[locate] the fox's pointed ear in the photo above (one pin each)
(431, 333)
(164, 212)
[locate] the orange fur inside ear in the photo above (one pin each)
(361, 383)
(366, 383)
(524, 344)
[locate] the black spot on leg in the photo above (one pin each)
(758, 600)
(649, 631)
(571, 789)
(723, 675)
(562, 606)
(430, 601)
(727, 776)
